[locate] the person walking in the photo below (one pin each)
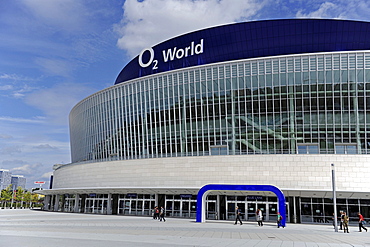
(161, 215)
(345, 222)
(361, 222)
(279, 220)
(156, 213)
(259, 217)
(237, 216)
(341, 220)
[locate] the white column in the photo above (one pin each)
(218, 208)
(156, 199)
(46, 203)
(109, 204)
(77, 200)
(56, 203)
(294, 211)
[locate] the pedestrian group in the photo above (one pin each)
(259, 217)
(158, 214)
(344, 220)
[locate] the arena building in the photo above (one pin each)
(265, 102)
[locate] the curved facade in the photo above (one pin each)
(314, 103)
(270, 102)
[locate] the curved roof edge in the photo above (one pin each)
(249, 40)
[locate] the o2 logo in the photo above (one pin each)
(170, 54)
(151, 59)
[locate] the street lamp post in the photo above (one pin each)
(334, 198)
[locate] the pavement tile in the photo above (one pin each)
(31, 228)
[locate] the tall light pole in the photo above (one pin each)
(334, 198)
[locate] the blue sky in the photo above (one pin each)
(54, 53)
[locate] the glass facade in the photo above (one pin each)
(311, 104)
(320, 210)
(136, 204)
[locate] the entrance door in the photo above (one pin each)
(268, 206)
(272, 211)
(241, 206)
(251, 212)
(176, 208)
(231, 210)
(185, 209)
(252, 209)
(269, 210)
(263, 208)
(211, 210)
(127, 206)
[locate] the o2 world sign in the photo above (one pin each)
(171, 54)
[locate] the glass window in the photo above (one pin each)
(308, 149)
(306, 199)
(302, 149)
(352, 212)
(328, 200)
(345, 149)
(365, 202)
(316, 200)
(313, 149)
(341, 201)
(306, 209)
(272, 199)
(339, 149)
(352, 201)
(219, 150)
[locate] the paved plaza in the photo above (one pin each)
(31, 228)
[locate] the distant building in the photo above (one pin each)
(18, 181)
(5, 178)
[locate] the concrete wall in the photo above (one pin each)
(298, 172)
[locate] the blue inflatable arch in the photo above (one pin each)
(205, 190)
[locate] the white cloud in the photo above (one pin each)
(21, 120)
(5, 136)
(342, 9)
(31, 170)
(148, 22)
(18, 95)
(45, 146)
(12, 77)
(324, 11)
(56, 102)
(9, 150)
(67, 15)
(47, 175)
(6, 87)
(54, 66)
(25, 169)
(16, 86)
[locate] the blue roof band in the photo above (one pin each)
(249, 40)
(202, 194)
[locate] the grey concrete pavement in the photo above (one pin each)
(31, 228)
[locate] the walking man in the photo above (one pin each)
(156, 213)
(345, 222)
(259, 216)
(361, 222)
(161, 215)
(279, 220)
(237, 216)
